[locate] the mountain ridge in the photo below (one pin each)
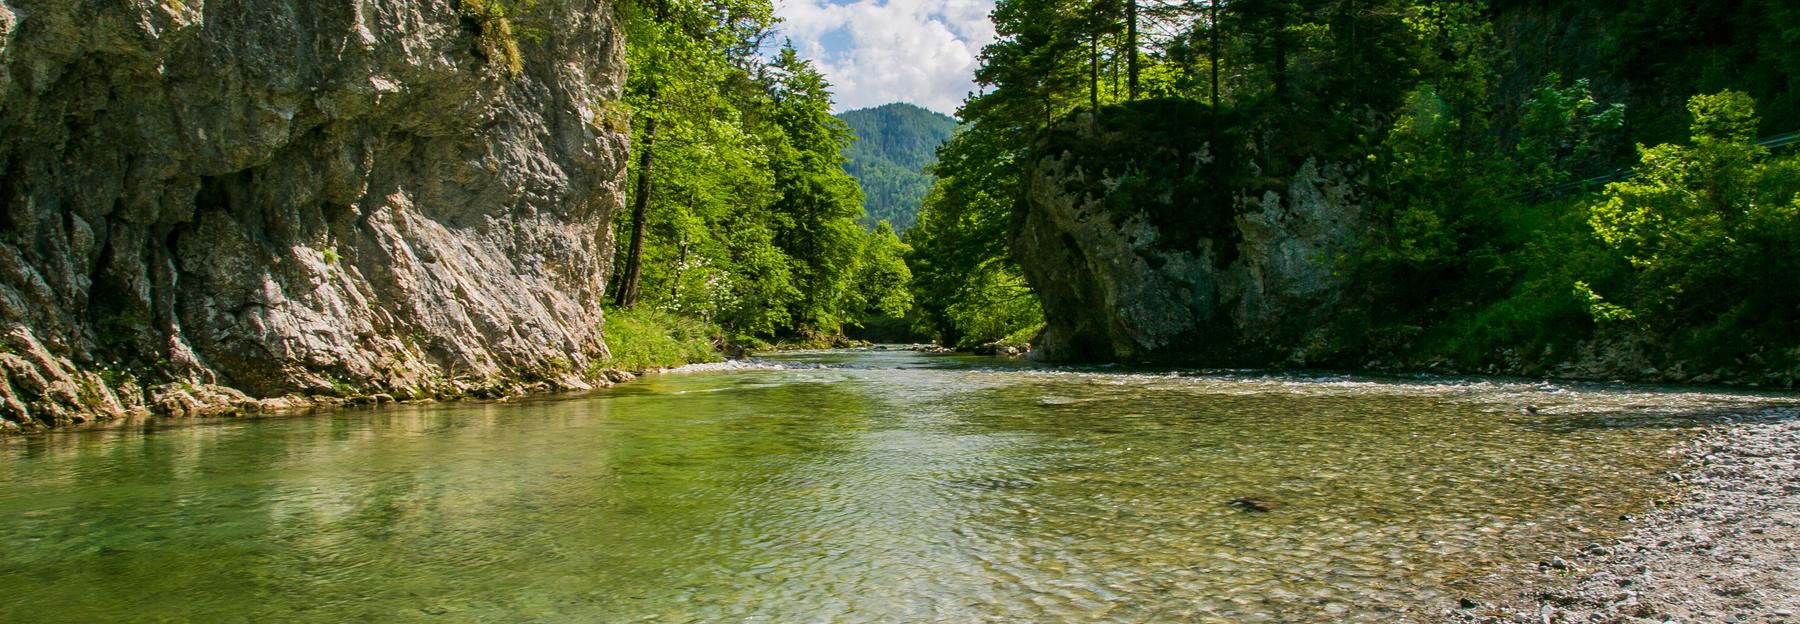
(895, 143)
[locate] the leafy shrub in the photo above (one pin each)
(997, 304)
(644, 338)
(1563, 129)
(1706, 225)
(1709, 231)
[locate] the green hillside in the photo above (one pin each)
(895, 142)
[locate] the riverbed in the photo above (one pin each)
(867, 485)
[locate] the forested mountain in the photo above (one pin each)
(895, 143)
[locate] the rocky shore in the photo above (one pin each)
(1726, 548)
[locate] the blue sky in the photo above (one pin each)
(880, 51)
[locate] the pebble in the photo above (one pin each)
(1722, 550)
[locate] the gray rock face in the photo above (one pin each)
(299, 196)
(1138, 253)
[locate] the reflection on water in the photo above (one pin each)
(880, 486)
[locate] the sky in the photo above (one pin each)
(880, 51)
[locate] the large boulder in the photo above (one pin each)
(1149, 237)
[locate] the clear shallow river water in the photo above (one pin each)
(842, 486)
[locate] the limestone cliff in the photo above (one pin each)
(1148, 238)
(315, 197)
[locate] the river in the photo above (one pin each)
(844, 486)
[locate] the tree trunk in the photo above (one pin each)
(627, 296)
(680, 270)
(634, 261)
(1131, 49)
(1214, 18)
(1281, 68)
(1094, 71)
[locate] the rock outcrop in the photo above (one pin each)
(213, 201)
(1150, 239)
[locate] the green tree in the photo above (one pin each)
(742, 214)
(681, 54)
(962, 267)
(1709, 228)
(881, 286)
(1563, 129)
(818, 202)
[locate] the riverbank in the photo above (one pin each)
(640, 340)
(1724, 548)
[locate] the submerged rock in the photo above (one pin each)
(1255, 504)
(298, 197)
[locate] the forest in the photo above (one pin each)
(1462, 115)
(894, 145)
(742, 216)
(1473, 140)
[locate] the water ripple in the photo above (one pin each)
(831, 486)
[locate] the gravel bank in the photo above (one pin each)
(1726, 550)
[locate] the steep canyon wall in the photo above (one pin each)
(209, 202)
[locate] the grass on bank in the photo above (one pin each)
(645, 339)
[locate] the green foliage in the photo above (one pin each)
(1021, 339)
(121, 330)
(118, 379)
(1599, 308)
(1563, 130)
(1709, 228)
(882, 280)
(339, 387)
(1531, 303)
(644, 339)
(612, 116)
(994, 305)
(1696, 249)
(751, 220)
(330, 255)
(895, 143)
(1671, 49)
(1438, 200)
(492, 24)
(818, 203)
(711, 252)
(960, 259)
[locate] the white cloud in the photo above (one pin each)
(880, 51)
